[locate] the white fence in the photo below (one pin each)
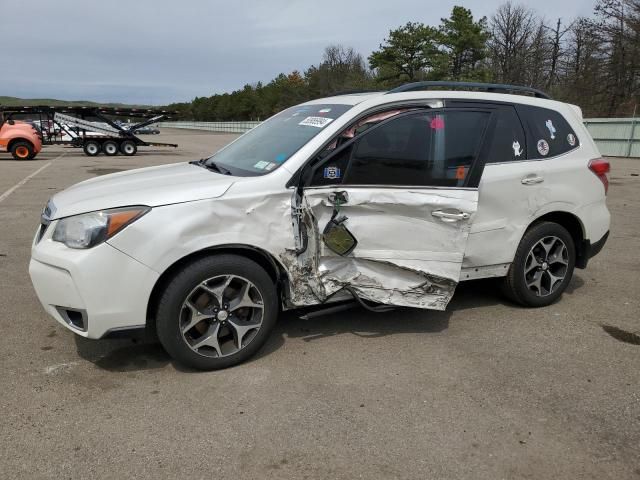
(220, 127)
(616, 137)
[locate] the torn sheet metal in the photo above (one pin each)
(405, 256)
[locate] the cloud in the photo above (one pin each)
(160, 51)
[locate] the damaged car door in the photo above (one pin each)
(386, 215)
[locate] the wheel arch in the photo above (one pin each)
(15, 140)
(263, 258)
(574, 226)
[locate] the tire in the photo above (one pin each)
(210, 339)
(128, 148)
(542, 267)
(110, 148)
(22, 150)
(91, 148)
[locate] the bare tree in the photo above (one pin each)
(512, 28)
(556, 51)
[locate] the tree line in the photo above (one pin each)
(593, 62)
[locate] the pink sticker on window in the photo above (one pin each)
(437, 123)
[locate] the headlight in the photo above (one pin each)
(90, 229)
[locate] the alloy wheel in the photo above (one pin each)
(221, 316)
(546, 266)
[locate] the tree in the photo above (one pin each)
(556, 54)
(342, 69)
(463, 46)
(618, 21)
(512, 29)
(406, 55)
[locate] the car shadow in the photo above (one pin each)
(366, 324)
(144, 352)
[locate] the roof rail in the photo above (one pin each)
(487, 87)
(352, 92)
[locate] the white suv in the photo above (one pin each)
(381, 198)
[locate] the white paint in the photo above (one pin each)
(23, 181)
(60, 367)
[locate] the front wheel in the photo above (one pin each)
(542, 267)
(217, 312)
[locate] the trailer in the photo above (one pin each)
(94, 129)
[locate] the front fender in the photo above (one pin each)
(172, 232)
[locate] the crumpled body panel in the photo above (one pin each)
(404, 256)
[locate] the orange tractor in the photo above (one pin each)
(20, 138)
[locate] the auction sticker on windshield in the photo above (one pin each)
(318, 122)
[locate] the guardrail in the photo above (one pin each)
(615, 137)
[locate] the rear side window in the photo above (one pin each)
(426, 149)
(548, 133)
(509, 143)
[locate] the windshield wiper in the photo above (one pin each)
(211, 166)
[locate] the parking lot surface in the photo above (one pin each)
(485, 390)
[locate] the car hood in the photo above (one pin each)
(152, 186)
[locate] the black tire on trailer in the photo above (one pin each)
(110, 148)
(128, 148)
(22, 150)
(91, 148)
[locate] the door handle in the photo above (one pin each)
(532, 180)
(451, 216)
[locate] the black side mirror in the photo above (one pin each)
(338, 238)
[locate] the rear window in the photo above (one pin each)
(548, 133)
(509, 141)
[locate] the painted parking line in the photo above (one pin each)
(27, 178)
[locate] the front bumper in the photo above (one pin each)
(91, 292)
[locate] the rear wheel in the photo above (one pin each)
(542, 267)
(128, 148)
(110, 148)
(22, 150)
(217, 312)
(91, 148)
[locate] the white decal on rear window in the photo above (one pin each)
(318, 122)
(517, 150)
(571, 139)
(552, 129)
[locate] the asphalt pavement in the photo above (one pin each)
(484, 390)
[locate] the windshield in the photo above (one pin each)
(270, 144)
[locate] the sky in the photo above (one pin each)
(156, 52)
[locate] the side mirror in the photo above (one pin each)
(338, 237)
